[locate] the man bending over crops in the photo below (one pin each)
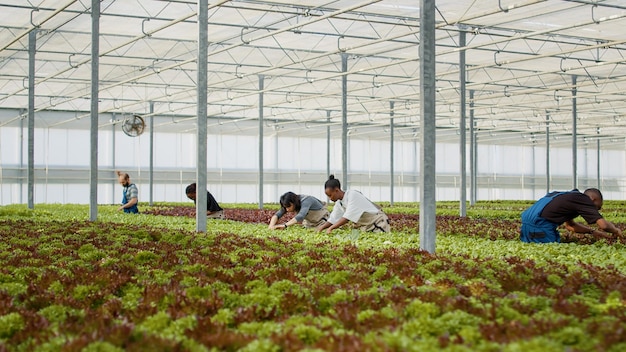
(213, 209)
(352, 206)
(540, 221)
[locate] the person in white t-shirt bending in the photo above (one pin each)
(353, 206)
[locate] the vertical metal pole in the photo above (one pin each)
(32, 48)
(201, 163)
(114, 183)
(598, 158)
(548, 153)
(462, 128)
(416, 195)
(261, 88)
(21, 171)
(276, 178)
(534, 168)
(472, 155)
(391, 152)
(428, 127)
(151, 171)
(344, 119)
(95, 86)
(574, 135)
(327, 143)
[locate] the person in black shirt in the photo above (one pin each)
(540, 221)
(213, 209)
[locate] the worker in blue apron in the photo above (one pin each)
(541, 220)
(129, 194)
(537, 229)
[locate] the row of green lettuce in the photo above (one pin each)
(567, 253)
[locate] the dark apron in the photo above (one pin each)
(132, 209)
(536, 229)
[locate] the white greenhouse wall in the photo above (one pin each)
(290, 164)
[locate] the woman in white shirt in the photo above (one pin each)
(352, 206)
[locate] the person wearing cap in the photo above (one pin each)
(129, 194)
(213, 209)
(310, 211)
(352, 206)
(541, 220)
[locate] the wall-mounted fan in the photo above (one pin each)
(133, 126)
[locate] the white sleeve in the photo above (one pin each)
(336, 214)
(356, 205)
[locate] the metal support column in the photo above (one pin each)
(114, 181)
(327, 143)
(32, 49)
(598, 158)
(574, 135)
(548, 153)
(473, 154)
(21, 173)
(391, 152)
(201, 163)
(344, 119)
(277, 170)
(151, 171)
(95, 87)
(261, 88)
(428, 127)
(462, 128)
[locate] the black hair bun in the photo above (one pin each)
(331, 177)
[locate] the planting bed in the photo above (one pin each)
(491, 228)
(149, 283)
(255, 216)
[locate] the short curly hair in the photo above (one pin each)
(596, 192)
(191, 188)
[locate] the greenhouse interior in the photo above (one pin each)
(527, 98)
(447, 126)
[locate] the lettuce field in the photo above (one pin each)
(148, 282)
